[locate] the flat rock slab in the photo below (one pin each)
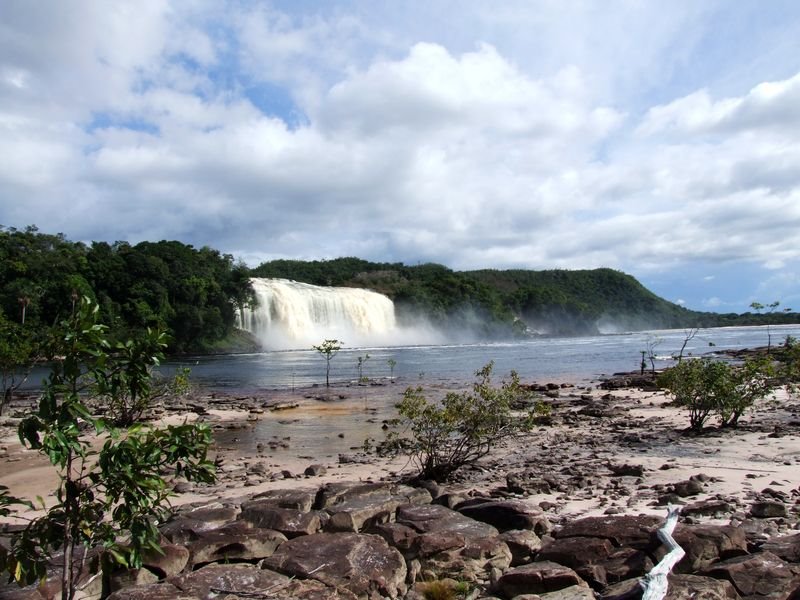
(219, 581)
(357, 512)
(155, 591)
(786, 547)
(706, 544)
(298, 499)
(363, 564)
(431, 518)
(697, 587)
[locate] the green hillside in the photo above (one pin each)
(496, 304)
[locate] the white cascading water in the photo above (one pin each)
(291, 314)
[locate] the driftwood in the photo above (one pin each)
(655, 582)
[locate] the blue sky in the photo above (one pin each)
(660, 139)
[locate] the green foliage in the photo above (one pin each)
(193, 294)
(707, 387)
(20, 351)
(328, 349)
(360, 362)
(445, 589)
(392, 364)
(464, 427)
(109, 495)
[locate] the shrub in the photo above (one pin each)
(707, 387)
(108, 495)
(441, 438)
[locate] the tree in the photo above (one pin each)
(107, 496)
(770, 308)
(696, 385)
(20, 352)
(360, 368)
(464, 428)
(688, 335)
(707, 387)
(328, 349)
(392, 364)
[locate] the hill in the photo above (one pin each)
(499, 303)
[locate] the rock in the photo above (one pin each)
(696, 587)
(768, 508)
(596, 560)
(635, 531)
(538, 578)
(763, 575)
(523, 544)
(706, 544)
(786, 547)
(692, 487)
(155, 591)
(506, 515)
(355, 512)
(363, 564)
(302, 500)
(220, 581)
(170, 561)
(626, 470)
(573, 592)
(237, 541)
(315, 470)
(711, 507)
(125, 578)
(450, 544)
(288, 521)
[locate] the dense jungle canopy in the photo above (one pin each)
(195, 293)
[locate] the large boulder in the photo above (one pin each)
(706, 544)
(538, 578)
(786, 547)
(363, 564)
(237, 541)
(359, 509)
(506, 515)
(635, 531)
(291, 522)
(761, 575)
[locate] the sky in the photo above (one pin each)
(661, 139)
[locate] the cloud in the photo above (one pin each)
(560, 135)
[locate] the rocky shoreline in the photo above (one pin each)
(568, 511)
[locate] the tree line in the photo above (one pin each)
(193, 294)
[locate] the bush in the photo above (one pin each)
(707, 387)
(108, 496)
(464, 428)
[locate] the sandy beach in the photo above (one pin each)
(619, 452)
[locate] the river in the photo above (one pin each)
(574, 359)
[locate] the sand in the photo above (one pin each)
(763, 453)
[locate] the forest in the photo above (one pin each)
(194, 293)
(191, 293)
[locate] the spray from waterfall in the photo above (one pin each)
(290, 314)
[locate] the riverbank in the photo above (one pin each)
(620, 452)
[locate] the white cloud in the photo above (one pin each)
(532, 136)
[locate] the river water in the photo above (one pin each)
(575, 359)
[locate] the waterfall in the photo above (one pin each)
(291, 314)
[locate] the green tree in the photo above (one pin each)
(706, 387)
(464, 427)
(20, 352)
(392, 364)
(106, 496)
(328, 349)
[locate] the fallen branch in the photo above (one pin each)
(654, 583)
